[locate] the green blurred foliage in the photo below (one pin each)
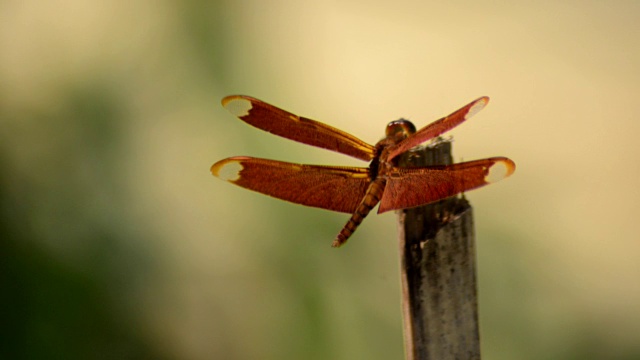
(70, 273)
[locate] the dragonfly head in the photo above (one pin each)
(400, 129)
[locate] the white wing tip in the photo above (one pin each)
(501, 169)
(477, 106)
(237, 105)
(227, 169)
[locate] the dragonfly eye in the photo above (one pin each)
(400, 128)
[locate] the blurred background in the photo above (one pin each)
(116, 241)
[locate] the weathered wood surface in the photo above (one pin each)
(438, 270)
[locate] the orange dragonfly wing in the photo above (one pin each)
(411, 187)
(283, 123)
(334, 188)
(438, 127)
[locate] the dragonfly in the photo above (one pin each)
(355, 190)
